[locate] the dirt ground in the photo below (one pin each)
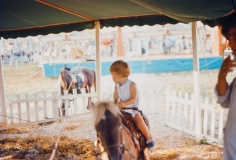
(36, 142)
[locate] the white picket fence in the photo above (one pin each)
(44, 107)
(180, 114)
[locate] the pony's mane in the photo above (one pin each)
(100, 108)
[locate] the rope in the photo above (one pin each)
(84, 52)
(55, 148)
(203, 49)
(13, 118)
(33, 132)
(70, 85)
(28, 136)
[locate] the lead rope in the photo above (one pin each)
(203, 49)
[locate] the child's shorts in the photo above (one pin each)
(131, 111)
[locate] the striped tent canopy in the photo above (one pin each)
(22, 18)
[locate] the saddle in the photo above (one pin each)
(138, 138)
(76, 74)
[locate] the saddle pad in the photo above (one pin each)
(77, 75)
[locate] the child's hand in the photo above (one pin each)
(121, 105)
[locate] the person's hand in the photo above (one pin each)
(121, 105)
(226, 67)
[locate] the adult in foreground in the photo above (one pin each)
(225, 92)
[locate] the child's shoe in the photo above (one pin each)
(150, 145)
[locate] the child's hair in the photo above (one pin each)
(120, 67)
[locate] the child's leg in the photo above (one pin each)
(138, 120)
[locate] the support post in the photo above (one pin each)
(120, 47)
(2, 91)
(98, 60)
(196, 71)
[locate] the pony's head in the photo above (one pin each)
(108, 125)
(114, 139)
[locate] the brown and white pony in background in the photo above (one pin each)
(80, 77)
(113, 138)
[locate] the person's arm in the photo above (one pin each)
(222, 89)
(225, 99)
(133, 96)
(222, 84)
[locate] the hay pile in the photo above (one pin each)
(70, 128)
(41, 147)
(193, 153)
(18, 130)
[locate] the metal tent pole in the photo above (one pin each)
(196, 72)
(2, 91)
(98, 60)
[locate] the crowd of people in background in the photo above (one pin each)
(167, 44)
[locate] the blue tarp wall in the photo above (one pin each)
(141, 66)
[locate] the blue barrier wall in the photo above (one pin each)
(141, 66)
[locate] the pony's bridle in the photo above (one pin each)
(122, 146)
